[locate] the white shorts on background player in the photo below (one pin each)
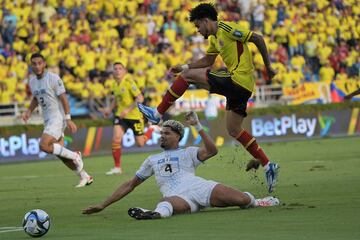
(55, 128)
(174, 172)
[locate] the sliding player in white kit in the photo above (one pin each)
(48, 91)
(174, 171)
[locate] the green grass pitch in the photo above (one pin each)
(318, 189)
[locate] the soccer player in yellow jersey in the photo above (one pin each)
(127, 115)
(237, 83)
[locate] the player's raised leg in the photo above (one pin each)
(234, 121)
(141, 136)
(85, 178)
(71, 159)
(176, 90)
(148, 133)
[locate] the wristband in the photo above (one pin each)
(185, 67)
(67, 116)
(198, 127)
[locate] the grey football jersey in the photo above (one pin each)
(46, 91)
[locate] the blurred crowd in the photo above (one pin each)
(81, 39)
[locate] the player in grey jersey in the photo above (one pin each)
(48, 91)
(174, 170)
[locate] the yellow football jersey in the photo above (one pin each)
(125, 93)
(230, 43)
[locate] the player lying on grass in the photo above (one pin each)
(174, 170)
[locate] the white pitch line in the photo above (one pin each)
(10, 229)
(4, 228)
(17, 177)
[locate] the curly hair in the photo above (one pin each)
(175, 126)
(203, 10)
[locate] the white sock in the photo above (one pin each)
(63, 152)
(252, 201)
(266, 167)
(157, 114)
(165, 209)
(82, 174)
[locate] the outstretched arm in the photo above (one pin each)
(203, 62)
(259, 42)
(121, 192)
(351, 95)
(209, 149)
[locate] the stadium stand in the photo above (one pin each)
(309, 41)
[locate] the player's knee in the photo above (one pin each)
(248, 200)
(45, 147)
(140, 142)
(233, 132)
(186, 75)
(116, 141)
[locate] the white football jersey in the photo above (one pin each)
(46, 91)
(174, 170)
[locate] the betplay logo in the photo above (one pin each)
(9, 147)
(282, 126)
(325, 123)
(25, 146)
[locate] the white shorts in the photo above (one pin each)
(55, 128)
(198, 194)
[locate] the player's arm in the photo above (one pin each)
(259, 42)
(112, 105)
(238, 33)
(351, 95)
(65, 103)
(138, 99)
(107, 110)
(206, 61)
(33, 104)
(209, 148)
(119, 193)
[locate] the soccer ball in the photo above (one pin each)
(36, 223)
